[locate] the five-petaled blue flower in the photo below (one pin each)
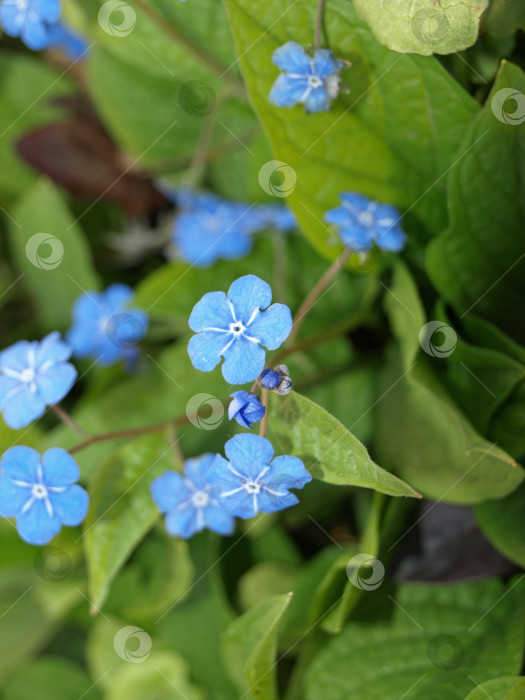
(41, 494)
(234, 327)
(313, 82)
(34, 375)
(250, 481)
(362, 222)
(104, 328)
(188, 501)
(246, 408)
(30, 20)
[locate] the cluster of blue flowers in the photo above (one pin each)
(250, 480)
(42, 494)
(208, 228)
(37, 23)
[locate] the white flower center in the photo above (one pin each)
(314, 81)
(252, 487)
(39, 491)
(28, 375)
(200, 499)
(366, 218)
(22, 5)
(237, 327)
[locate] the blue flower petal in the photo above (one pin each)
(36, 526)
(52, 348)
(287, 91)
(356, 237)
(169, 490)
(317, 100)
(70, 506)
(59, 468)
(23, 409)
(196, 470)
(393, 240)
(292, 58)
(12, 497)
(182, 522)
(271, 500)
(243, 361)
(289, 471)
(247, 294)
(356, 201)
(249, 454)
(8, 388)
(218, 520)
(272, 326)
(338, 216)
(239, 503)
(212, 311)
(221, 477)
(34, 34)
(205, 349)
(325, 63)
(56, 382)
(15, 357)
(47, 10)
(21, 463)
(11, 18)
(117, 296)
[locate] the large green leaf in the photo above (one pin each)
(439, 637)
(421, 433)
(479, 262)
(50, 678)
(393, 137)
(508, 688)
(249, 646)
(328, 449)
(121, 509)
(424, 26)
(50, 250)
(503, 522)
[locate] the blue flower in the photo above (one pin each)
(250, 481)
(313, 82)
(234, 327)
(246, 408)
(34, 375)
(277, 380)
(269, 379)
(30, 20)
(41, 494)
(73, 45)
(104, 328)
(362, 222)
(276, 216)
(188, 501)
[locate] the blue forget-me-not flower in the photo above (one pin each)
(250, 480)
(30, 20)
(104, 328)
(42, 494)
(362, 222)
(246, 408)
(188, 501)
(236, 327)
(313, 82)
(34, 375)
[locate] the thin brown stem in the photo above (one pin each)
(265, 400)
(319, 23)
(192, 48)
(68, 420)
(316, 292)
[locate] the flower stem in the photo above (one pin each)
(265, 400)
(319, 23)
(68, 420)
(316, 292)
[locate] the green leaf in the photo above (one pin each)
(424, 26)
(478, 262)
(509, 688)
(50, 250)
(50, 678)
(503, 522)
(421, 433)
(328, 449)
(439, 637)
(504, 17)
(121, 508)
(249, 646)
(392, 138)
(264, 580)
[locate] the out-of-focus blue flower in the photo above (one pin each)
(188, 501)
(41, 494)
(235, 327)
(246, 408)
(250, 481)
(34, 375)
(104, 328)
(362, 222)
(30, 20)
(313, 82)
(277, 216)
(73, 45)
